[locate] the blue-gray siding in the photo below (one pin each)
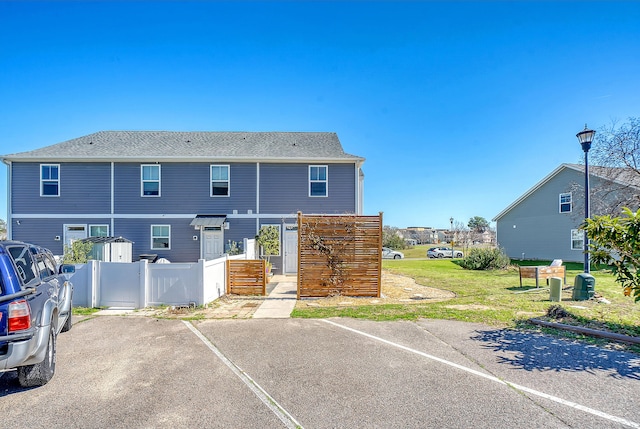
(84, 188)
(183, 247)
(535, 227)
(185, 188)
(43, 231)
(284, 188)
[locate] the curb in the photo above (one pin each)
(588, 331)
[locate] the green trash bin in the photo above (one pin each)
(583, 287)
(555, 289)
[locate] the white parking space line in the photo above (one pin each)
(574, 405)
(271, 403)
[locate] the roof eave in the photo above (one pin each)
(183, 159)
(532, 190)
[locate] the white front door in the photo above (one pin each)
(73, 233)
(290, 249)
(212, 242)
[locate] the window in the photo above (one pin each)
(577, 239)
(317, 180)
(49, 180)
(565, 202)
(25, 265)
(219, 180)
(161, 237)
(150, 180)
(46, 266)
(98, 230)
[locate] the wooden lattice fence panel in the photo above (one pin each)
(339, 255)
(246, 276)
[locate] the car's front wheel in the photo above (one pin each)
(440, 255)
(39, 374)
(396, 256)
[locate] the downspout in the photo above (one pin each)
(359, 188)
(112, 198)
(257, 197)
(9, 222)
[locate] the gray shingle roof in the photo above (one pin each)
(623, 176)
(170, 145)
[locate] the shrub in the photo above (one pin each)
(485, 259)
(77, 253)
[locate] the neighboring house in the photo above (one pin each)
(181, 195)
(544, 222)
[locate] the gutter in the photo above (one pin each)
(9, 222)
(588, 331)
(199, 158)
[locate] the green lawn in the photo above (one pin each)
(490, 297)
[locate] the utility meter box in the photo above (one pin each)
(583, 287)
(555, 289)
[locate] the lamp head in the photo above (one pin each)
(585, 137)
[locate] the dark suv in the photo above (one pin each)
(35, 305)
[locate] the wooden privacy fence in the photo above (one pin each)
(339, 255)
(246, 277)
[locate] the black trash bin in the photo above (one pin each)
(583, 287)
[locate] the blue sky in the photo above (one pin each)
(458, 107)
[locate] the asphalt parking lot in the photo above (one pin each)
(339, 373)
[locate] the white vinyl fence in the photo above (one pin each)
(141, 284)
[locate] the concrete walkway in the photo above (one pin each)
(281, 301)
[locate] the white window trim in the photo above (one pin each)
(326, 181)
(142, 181)
(228, 181)
(570, 202)
(581, 234)
(97, 224)
(49, 180)
(152, 236)
(279, 237)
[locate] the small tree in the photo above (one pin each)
(233, 248)
(478, 224)
(615, 156)
(77, 253)
(391, 238)
(269, 239)
(616, 242)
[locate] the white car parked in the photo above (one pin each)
(391, 254)
(443, 252)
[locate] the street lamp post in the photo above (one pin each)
(586, 137)
(451, 232)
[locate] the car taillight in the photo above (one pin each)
(19, 316)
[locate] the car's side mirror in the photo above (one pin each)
(67, 269)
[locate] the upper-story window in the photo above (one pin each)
(565, 202)
(50, 180)
(318, 181)
(150, 180)
(219, 180)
